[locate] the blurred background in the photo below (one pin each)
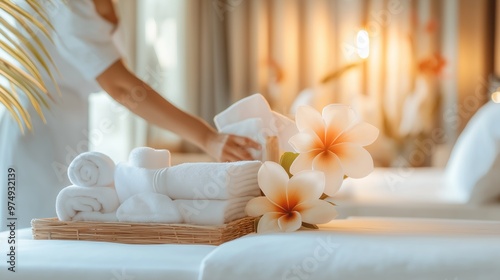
(416, 69)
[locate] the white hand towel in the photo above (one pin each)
(149, 158)
(91, 169)
(212, 212)
(239, 119)
(210, 180)
(82, 203)
(149, 208)
(253, 106)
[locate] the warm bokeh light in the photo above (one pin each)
(496, 97)
(363, 44)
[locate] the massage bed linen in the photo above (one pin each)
(402, 186)
(83, 260)
(409, 192)
(355, 248)
(367, 248)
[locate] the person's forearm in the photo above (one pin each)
(145, 102)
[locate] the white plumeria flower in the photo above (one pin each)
(289, 202)
(332, 143)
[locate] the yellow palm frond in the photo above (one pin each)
(20, 40)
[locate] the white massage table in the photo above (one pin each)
(409, 192)
(82, 260)
(356, 248)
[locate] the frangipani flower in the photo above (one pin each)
(289, 202)
(333, 143)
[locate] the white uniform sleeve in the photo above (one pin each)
(84, 38)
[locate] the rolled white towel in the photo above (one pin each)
(149, 208)
(149, 158)
(209, 180)
(91, 169)
(212, 212)
(95, 217)
(76, 203)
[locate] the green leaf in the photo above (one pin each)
(286, 161)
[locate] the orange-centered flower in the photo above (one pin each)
(332, 143)
(289, 202)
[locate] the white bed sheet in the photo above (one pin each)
(357, 248)
(402, 186)
(409, 192)
(364, 249)
(82, 260)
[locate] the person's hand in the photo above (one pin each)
(229, 147)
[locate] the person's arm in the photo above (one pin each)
(142, 100)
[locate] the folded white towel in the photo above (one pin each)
(253, 106)
(91, 169)
(284, 128)
(149, 208)
(131, 180)
(212, 212)
(95, 217)
(209, 180)
(76, 203)
(239, 119)
(203, 180)
(149, 158)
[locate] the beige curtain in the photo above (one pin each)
(409, 81)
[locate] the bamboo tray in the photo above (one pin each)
(141, 233)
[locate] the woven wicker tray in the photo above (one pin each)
(141, 233)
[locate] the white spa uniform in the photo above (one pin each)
(84, 47)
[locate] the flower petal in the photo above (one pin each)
(329, 163)
(261, 205)
(290, 222)
(305, 186)
(305, 142)
(308, 118)
(362, 134)
(303, 162)
(273, 179)
(269, 223)
(356, 161)
(338, 118)
(317, 211)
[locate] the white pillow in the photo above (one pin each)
(474, 165)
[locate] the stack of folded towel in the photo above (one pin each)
(92, 197)
(147, 189)
(196, 193)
